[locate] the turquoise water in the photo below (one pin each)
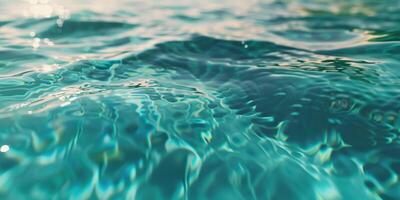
(134, 99)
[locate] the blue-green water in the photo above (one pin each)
(135, 99)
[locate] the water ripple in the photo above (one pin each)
(211, 100)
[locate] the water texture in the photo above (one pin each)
(134, 99)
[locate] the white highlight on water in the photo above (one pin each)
(4, 148)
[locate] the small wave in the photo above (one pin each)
(80, 29)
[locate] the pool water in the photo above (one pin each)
(135, 99)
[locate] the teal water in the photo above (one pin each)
(134, 99)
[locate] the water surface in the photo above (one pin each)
(133, 99)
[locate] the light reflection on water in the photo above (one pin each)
(199, 100)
